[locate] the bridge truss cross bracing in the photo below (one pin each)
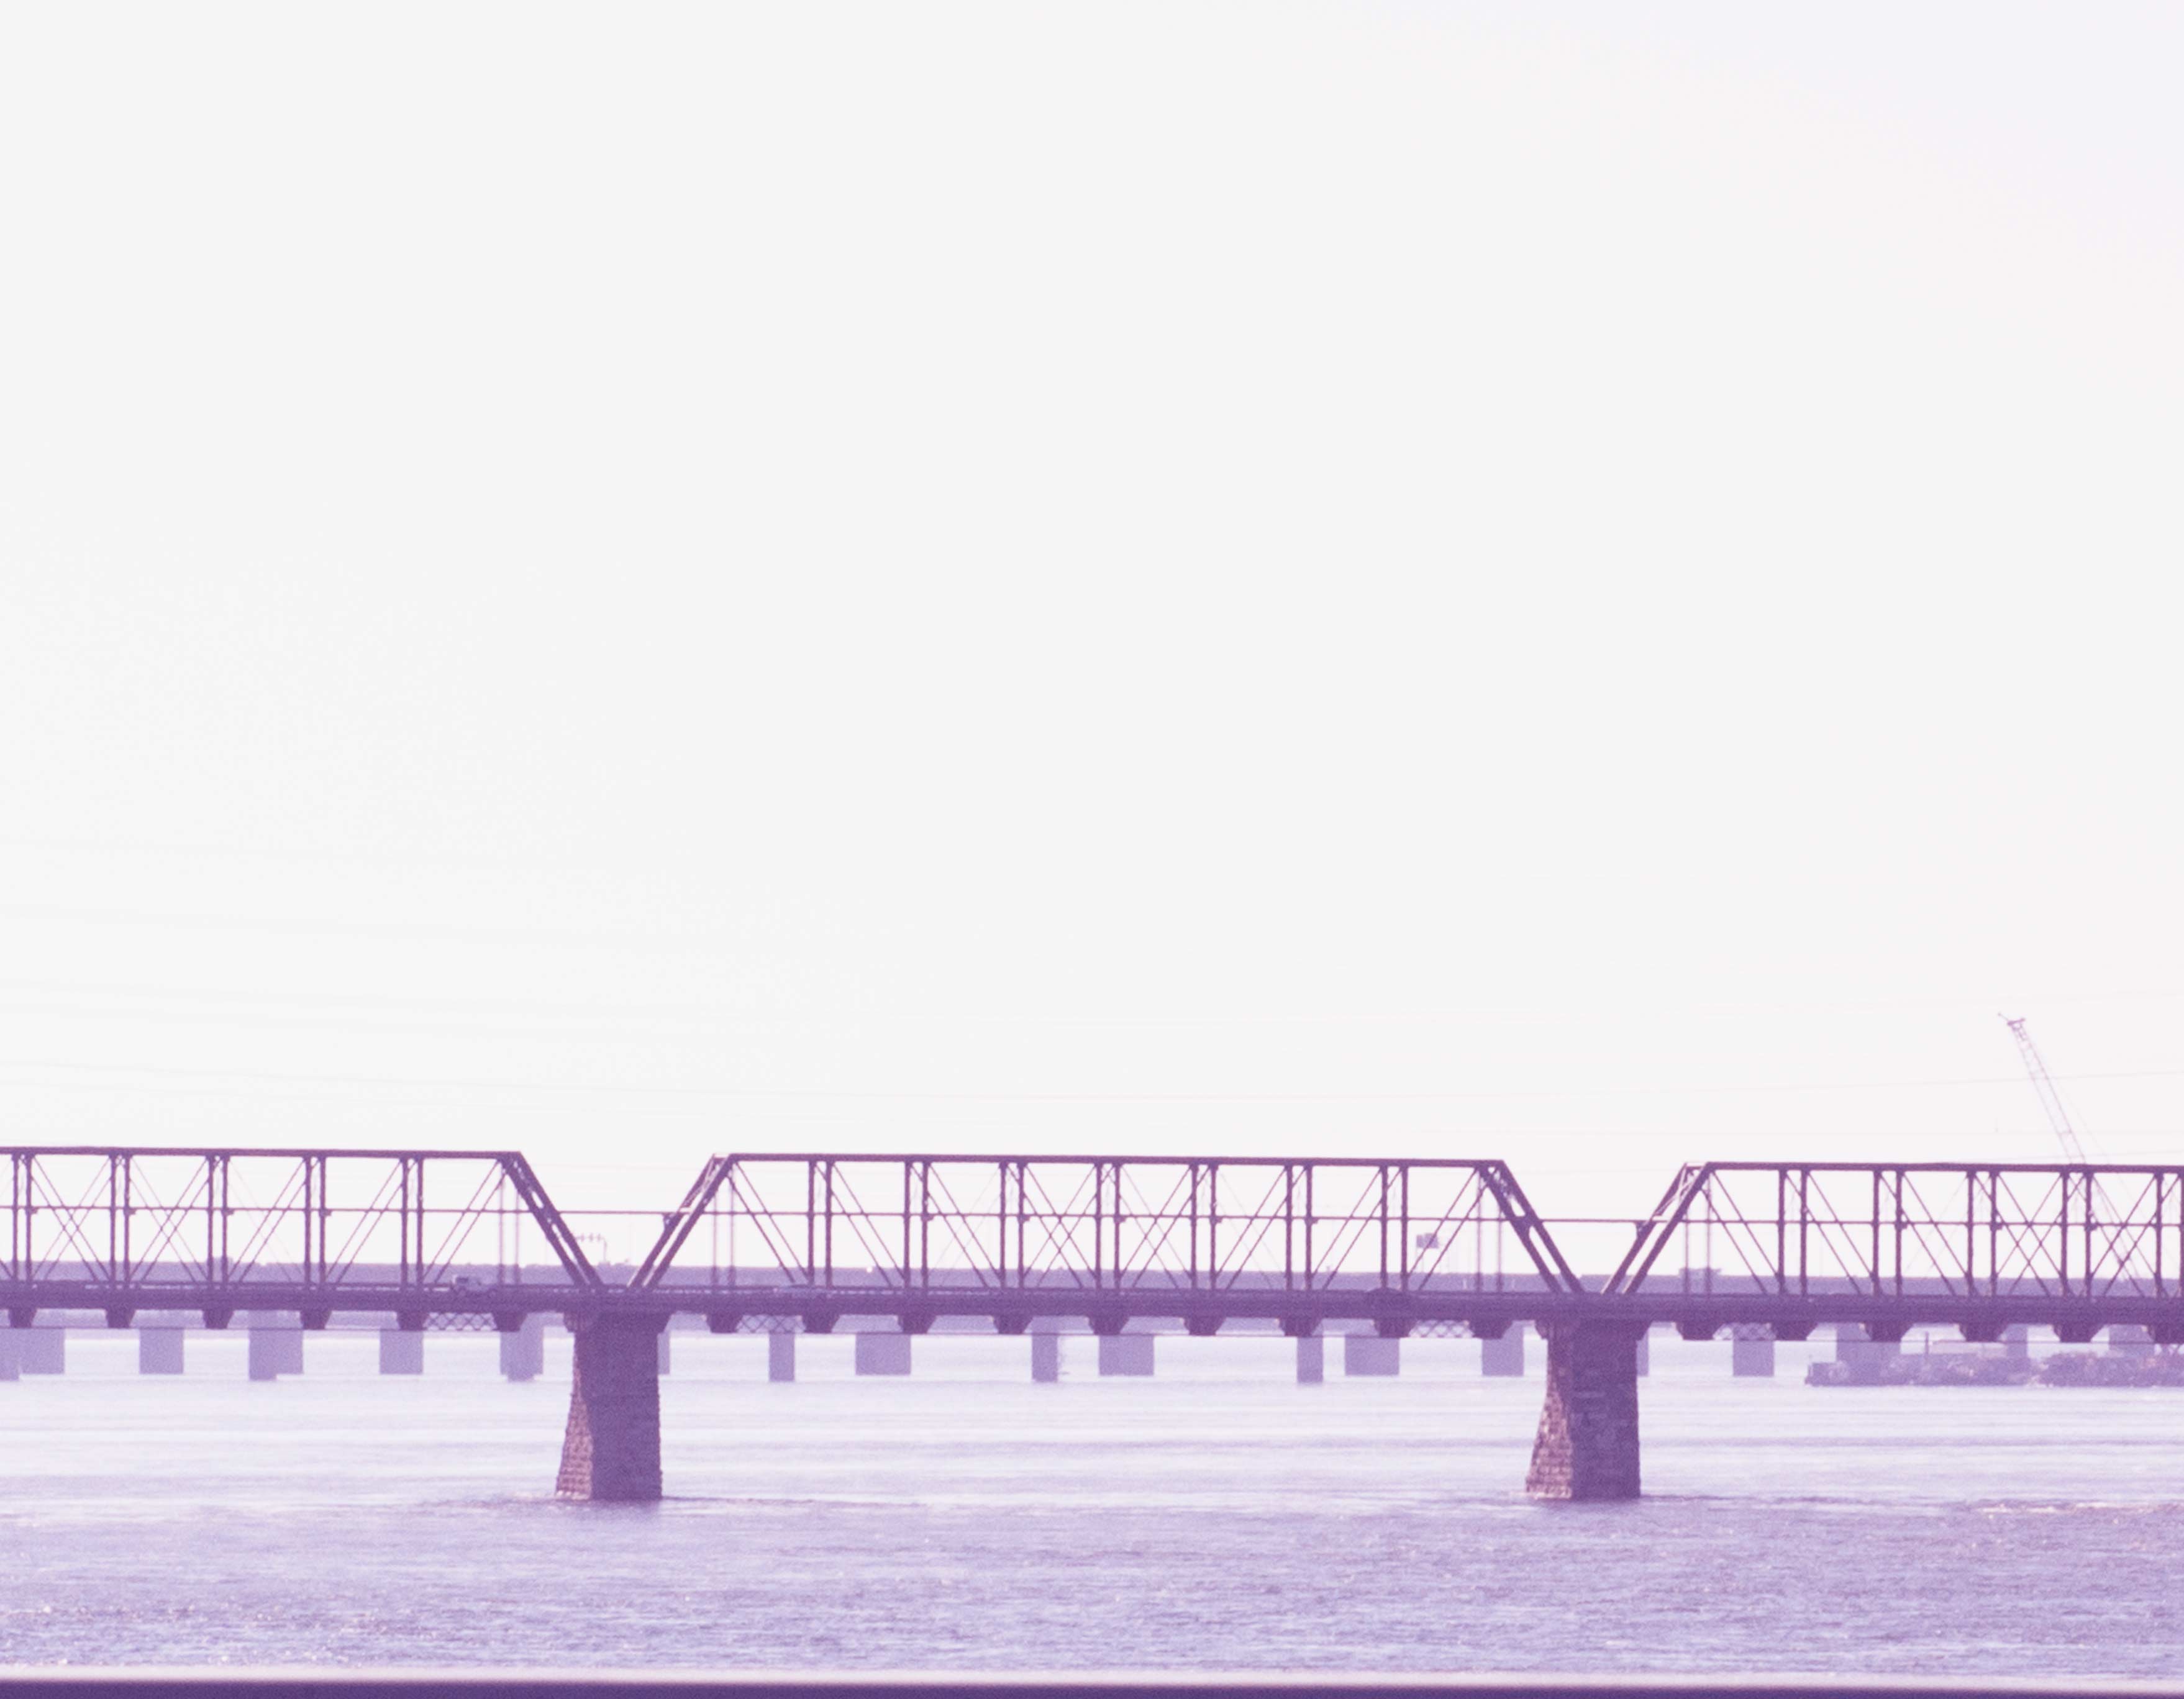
(1011, 1238)
(2073, 1245)
(315, 1230)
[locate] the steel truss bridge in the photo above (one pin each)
(2076, 1248)
(1206, 1239)
(787, 1242)
(805, 1240)
(311, 1231)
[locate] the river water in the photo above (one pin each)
(1217, 1516)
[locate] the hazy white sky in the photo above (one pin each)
(1593, 584)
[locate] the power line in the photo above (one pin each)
(867, 1095)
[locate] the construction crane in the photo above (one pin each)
(2051, 1099)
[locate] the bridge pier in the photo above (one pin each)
(42, 1350)
(401, 1351)
(780, 1357)
(1126, 1354)
(883, 1353)
(610, 1451)
(274, 1351)
(1587, 1447)
(1368, 1353)
(11, 1365)
(1751, 1349)
(1311, 1360)
(1504, 1355)
(523, 1349)
(159, 1350)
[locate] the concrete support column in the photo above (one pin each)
(883, 1353)
(42, 1350)
(665, 1351)
(1587, 1447)
(780, 1357)
(1646, 1351)
(1046, 1358)
(1751, 1349)
(1126, 1354)
(11, 1358)
(1311, 1359)
(159, 1350)
(1368, 1353)
(1504, 1356)
(523, 1352)
(274, 1351)
(401, 1351)
(610, 1452)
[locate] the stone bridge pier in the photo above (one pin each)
(1587, 1447)
(610, 1451)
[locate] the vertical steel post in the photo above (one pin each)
(2159, 1291)
(2063, 1232)
(1193, 1227)
(227, 1219)
(1899, 1232)
(1804, 1232)
(1971, 1232)
(1873, 1270)
(1781, 1230)
(1099, 1218)
(1213, 1226)
(1310, 1268)
(1403, 1233)
(1383, 1226)
(1289, 1226)
(2088, 1259)
(1116, 1169)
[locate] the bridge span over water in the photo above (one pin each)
(807, 1240)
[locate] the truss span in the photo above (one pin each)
(2073, 1245)
(1012, 1237)
(315, 1230)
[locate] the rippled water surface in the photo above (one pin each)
(1217, 1516)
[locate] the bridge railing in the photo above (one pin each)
(1985, 1232)
(144, 1223)
(1123, 1226)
